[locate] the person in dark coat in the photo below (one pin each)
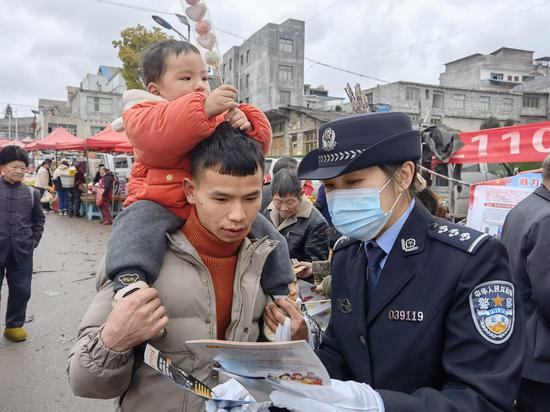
(425, 315)
(286, 162)
(75, 193)
(526, 235)
(105, 194)
(21, 227)
(97, 176)
(294, 216)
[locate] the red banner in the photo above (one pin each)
(524, 143)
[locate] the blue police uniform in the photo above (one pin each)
(442, 330)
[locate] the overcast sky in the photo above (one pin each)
(49, 44)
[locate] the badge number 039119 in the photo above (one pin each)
(406, 315)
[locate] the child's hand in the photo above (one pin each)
(220, 100)
(237, 119)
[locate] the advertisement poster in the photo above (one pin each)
(491, 201)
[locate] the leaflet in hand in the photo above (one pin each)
(272, 361)
(160, 362)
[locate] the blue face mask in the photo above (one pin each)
(357, 212)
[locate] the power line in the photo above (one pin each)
(424, 43)
(376, 79)
(323, 10)
(130, 6)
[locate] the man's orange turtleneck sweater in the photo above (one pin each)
(221, 260)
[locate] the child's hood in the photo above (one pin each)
(130, 98)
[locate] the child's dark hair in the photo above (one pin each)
(228, 151)
(154, 58)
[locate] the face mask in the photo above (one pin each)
(357, 212)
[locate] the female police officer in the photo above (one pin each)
(423, 310)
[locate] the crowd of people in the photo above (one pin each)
(427, 315)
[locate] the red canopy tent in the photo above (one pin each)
(28, 140)
(5, 142)
(59, 139)
(108, 140)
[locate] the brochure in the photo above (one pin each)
(270, 361)
(161, 363)
(317, 305)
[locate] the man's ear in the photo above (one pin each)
(189, 187)
(153, 88)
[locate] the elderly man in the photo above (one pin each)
(208, 287)
(21, 227)
(294, 216)
(526, 235)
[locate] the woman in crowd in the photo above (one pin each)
(105, 194)
(60, 179)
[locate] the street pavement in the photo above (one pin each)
(32, 373)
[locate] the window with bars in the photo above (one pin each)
(284, 97)
(412, 93)
(531, 101)
(285, 72)
(99, 105)
(96, 129)
(508, 104)
(286, 45)
(484, 103)
(438, 100)
(310, 141)
(459, 101)
(71, 128)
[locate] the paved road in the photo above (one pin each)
(32, 374)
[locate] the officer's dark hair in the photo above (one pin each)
(286, 162)
(417, 189)
(228, 151)
(546, 169)
(286, 183)
(153, 61)
(13, 153)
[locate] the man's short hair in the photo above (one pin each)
(286, 183)
(286, 162)
(228, 151)
(546, 168)
(153, 62)
(12, 153)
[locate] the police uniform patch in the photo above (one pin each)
(128, 278)
(492, 307)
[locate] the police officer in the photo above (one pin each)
(424, 311)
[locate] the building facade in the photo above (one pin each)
(295, 129)
(17, 127)
(468, 92)
(88, 109)
(268, 68)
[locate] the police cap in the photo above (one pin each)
(357, 142)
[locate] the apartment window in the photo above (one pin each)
(247, 56)
(230, 64)
(438, 100)
(484, 102)
(459, 101)
(71, 128)
(96, 129)
(285, 72)
(99, 104)
(531, 101)
(509, 78)
(435, 120)
(223, 69)
(497, 76)
(286, 45)
(247, 81)
(242, 59)
(527, 78)
(516, 78)
(310, 141)
(247, 100)
(508, 104)
(412, 93)
(427, 93)
(284, 97)
(415, 118)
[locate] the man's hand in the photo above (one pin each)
(237, 119)
(274, 315)
(133, 320)
(220, 100)
(306, 272)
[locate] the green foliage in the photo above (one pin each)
(509, 122)
(134, 40)
(489, 123)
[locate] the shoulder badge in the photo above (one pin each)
(343, 242)
(461, 237)
(492, 307)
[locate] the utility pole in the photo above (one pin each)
(16, 131)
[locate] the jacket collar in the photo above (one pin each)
(304, 212)
(543, 192)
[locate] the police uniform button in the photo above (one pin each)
(169, 178)
(246, 330)
(433, 226)
(363, 340)
(207, 320)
